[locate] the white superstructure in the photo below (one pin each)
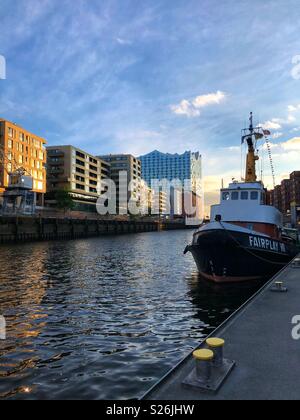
(245, 202)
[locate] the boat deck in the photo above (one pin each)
(259, 339)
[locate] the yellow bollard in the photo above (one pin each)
(217, 345)
(203, 360)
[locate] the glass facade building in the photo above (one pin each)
(160, 166)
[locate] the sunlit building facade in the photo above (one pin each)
(82, 174)
(20, 148)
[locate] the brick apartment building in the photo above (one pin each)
(286, 197)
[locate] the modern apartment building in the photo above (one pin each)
(132, 167)
(20, 148)
(79, 172)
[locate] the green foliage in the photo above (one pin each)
(64, 200)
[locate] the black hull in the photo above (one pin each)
(229, 256)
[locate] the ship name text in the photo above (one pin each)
(256, 242)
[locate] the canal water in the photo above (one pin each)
(103, 318)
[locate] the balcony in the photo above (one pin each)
(55, 162)
(55, 153)
(60, 180)
(56, 171)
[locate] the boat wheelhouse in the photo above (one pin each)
(244, 204)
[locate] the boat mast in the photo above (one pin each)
(251, 156)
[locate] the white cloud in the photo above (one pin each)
(292, 144)
(122, 41)
(272, 125)
(185, 108)
(192, 108)
(210, 99)
(277, 135)
(278, 123)
(295, 130)
(291, 118)
(293, 108)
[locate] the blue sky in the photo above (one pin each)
(133, 76)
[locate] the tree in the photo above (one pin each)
(64, 200)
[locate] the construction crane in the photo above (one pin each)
(18, 197)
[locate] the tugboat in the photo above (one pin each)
(244, 240)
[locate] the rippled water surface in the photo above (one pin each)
(103, 318)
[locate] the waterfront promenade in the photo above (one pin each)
(259, 339)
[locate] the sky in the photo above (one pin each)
(131, 76)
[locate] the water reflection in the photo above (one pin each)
(103, 318)
(215, 302)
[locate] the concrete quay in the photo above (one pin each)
(262, 338)
(24, 229)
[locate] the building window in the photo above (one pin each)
(81, 155)
(79, 162)
(79, 187)
(80, 171)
